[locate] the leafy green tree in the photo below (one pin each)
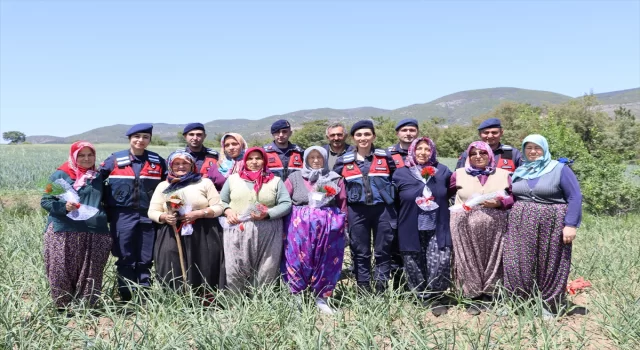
(623, 134)
(14, 137)
(312, 133)
(385, 132)
(454, 140)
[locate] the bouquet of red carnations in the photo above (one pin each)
(61, 189)
(175, 204)
(322, 194)
(426, 201)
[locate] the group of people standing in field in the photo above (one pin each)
(245, 217)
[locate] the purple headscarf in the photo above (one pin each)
(483, 146)
(412, 161)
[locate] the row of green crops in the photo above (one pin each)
(25, 167)
(606, 252)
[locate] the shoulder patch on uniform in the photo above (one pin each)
(153, 158)
(211, 151)
(348, 157)
(267, 147)
(506, 147)
(380, 152)
(391, 148)
(298, 148)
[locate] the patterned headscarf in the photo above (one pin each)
(75, 171)
(412, 161)
(317, 175)
(177, 182)
(226, 165)
(533, 169)
(482, 146)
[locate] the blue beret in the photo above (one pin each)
(138, 128)
(192, 126)
(279, 124)
(405, 122)
(362, 124)
(490, 123)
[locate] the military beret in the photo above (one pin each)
(490, 123)
(140, 128)
(407, 122)
(279, 125)
(362, 124)
(192, 126)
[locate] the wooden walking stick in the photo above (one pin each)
(174, 204)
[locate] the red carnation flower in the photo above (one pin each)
(330, 190)
(427, 172)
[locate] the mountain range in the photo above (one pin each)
(457, 108)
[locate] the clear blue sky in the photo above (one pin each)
(70, 66)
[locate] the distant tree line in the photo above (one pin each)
(601, 146)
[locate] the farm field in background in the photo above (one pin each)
(606, 252)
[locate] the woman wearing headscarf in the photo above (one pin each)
(233, 147)
(423, 231)
(253, 248)
(76, 251)
(314, 241)
(200, 233)
(478, 233)
(542, 227)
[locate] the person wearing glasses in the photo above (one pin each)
(477, 233)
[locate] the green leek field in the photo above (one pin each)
(606, 252)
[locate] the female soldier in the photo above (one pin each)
(132, 176)
(367, 173)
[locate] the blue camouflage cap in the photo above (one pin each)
(140, 128)
(279, 125)
(490, 123)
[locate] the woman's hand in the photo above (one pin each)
(258, 217)
(192, 216)
(232, 216)
(71, 206)
(568, 234)
(170, 219)
(492, 203)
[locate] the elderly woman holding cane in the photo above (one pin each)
(423, 224)
(314, 243)
(478, 229)
(255, 202)
(542, 227)
(188, 203)
(76, 249)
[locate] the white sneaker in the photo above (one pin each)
(322, 305)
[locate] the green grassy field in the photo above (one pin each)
(606, 252)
